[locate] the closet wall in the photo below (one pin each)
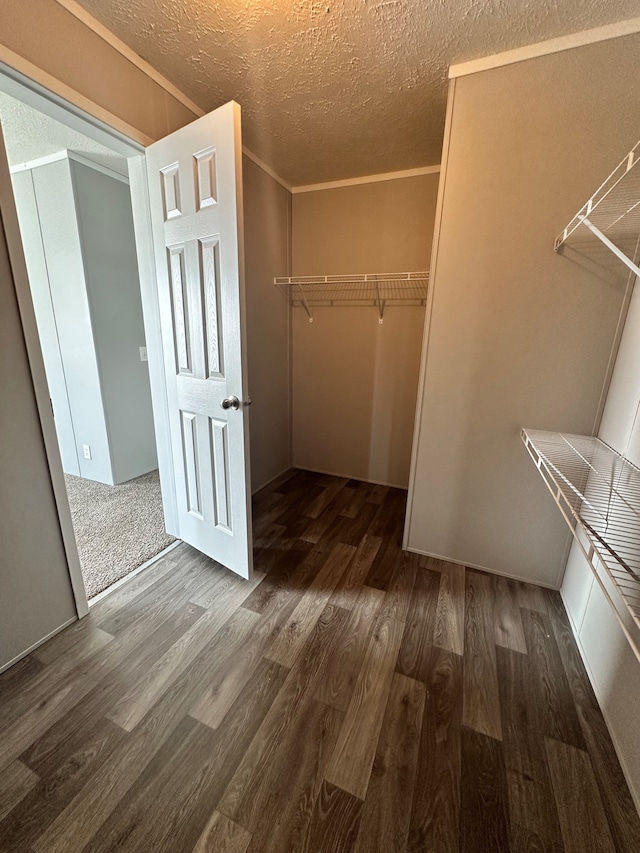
(354, 380)
(267, 232)
(518, 335)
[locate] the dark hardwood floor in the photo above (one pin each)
(351, 697)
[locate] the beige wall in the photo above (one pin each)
(35, 589)
(354, 380)
(519, 336)
(267, 216)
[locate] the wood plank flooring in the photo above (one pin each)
(351, 698)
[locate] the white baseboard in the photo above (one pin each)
(482, 569)
(635, 797)
(272, 480)
(38, 644)
(350, 477)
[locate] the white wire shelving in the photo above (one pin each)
(379, 290)
(598, 492)
(609, 223)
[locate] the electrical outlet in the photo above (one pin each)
(86, 451)
(143, 353)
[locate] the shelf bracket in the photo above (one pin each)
(380, 304)
(555, 455)
(305, 303)
(635, 269)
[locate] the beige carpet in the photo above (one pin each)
(118, 528)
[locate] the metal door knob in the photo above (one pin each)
(230, 403)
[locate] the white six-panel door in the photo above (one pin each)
(195, 192)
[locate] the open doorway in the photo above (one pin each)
(74, 209)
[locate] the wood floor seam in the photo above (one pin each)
(350, 698)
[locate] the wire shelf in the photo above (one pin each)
(611, 217)
(374, 289)
(598, 493)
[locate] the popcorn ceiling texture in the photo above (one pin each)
(339, 88)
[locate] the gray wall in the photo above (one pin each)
(354, 380)
(77, 231)
(35, 589)
(105, 220)
(62, 249)
(267, 208)
(518, 336)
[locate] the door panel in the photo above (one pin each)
(195, 191)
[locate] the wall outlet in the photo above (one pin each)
(86, 451)
(143, 353)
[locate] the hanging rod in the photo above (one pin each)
(611, 215)
(374, 289)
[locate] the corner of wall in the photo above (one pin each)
(415, 449)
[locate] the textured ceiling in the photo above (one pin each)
(337, 88)
(29, 135)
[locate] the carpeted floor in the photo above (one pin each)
(118, 528)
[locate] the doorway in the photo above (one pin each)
(192, 301)
(74, 210)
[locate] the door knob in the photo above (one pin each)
(230, 403)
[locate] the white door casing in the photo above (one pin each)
(195, 194)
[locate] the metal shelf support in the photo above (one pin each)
(635, 269)
(378, 290)
(598, 493)
(611, 215)
(307, 308)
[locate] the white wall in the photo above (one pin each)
(354, 380)
(27, 208)
(267, 226)
(519, 336)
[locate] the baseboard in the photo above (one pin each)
(272, 480)
(122, 581)
(38, 644)
(482, 569)
(634, 796)
(350, 477)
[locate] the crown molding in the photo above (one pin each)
(262, 165)
(135, 59)
(106, 35)
(367, 179)
(543, 48)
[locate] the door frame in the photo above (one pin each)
(80, 114)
